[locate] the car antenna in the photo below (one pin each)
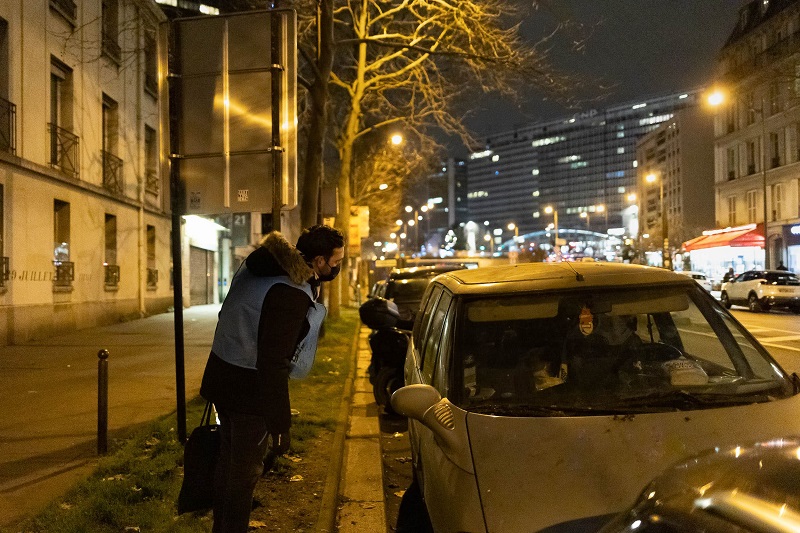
(578, 275)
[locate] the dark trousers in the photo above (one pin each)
(241, 461)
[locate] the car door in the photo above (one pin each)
(737, 290)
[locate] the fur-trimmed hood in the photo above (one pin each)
(277, 257)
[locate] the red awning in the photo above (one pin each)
(735, 238)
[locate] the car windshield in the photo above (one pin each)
(607, 351)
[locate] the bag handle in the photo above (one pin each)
(205, 420)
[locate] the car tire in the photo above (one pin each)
(387, 381)
(752, 303)
(723, 298)
(413, 517)
(795, 309)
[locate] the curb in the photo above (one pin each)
(326, 522)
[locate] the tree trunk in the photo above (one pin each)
(314, 164)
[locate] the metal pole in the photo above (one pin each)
(767, 258)
(665, 257)
(102, 402)
(555, 226)
(277, 151)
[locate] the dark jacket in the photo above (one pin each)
(265, 391)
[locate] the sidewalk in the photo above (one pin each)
(361, 487)
(48, 390)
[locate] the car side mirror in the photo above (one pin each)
(414, 401)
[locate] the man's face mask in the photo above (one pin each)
(332, 273)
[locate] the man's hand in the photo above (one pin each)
(279, 443)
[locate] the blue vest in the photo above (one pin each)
(236, 337)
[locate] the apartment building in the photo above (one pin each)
(84, 208)
(757, 129)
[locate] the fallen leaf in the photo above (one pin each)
(400, 493)
(118, 477)
(152, 441)
(256, 524)
(131, 528)
(298, 477)
(294, 412)
(65, 506)
(292, 458)
(368, 506)
(398, 435)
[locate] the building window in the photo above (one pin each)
(750, 109)
(66, 8)
(731, 211)
(152, 184)
(731, 163)
(730, 119)
(110, 30)
(152, 272)
(150, 62)
(64, 149)
(777, 201)
(110, 258)
(774, 98)
(3, 258)
(752, 206)
(775, 150)
(112, 165)
(8, 111)
(64, 268)
(751, 157)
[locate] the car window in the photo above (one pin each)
(606, 351)
(434, 338)
(440, 373)
(422, 323)
(747, 276)
(780, 278)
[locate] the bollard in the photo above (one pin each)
(102, 402)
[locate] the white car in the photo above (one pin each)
(699, 277)
(546, 395)
(761, 290)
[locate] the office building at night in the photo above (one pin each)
(583, 167)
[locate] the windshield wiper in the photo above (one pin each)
(681, 399)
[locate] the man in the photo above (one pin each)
(781, 266)
(267, 332)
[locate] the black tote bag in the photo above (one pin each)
(199, 460)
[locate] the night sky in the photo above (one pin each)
(639, 48)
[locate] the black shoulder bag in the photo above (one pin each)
(199, 461)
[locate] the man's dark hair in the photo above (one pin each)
(319, 240)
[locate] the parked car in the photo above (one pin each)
(404, 287)
(546, 395)
(761, 290)
(739, 488)
(699, 277)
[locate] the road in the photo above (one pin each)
(778, 331)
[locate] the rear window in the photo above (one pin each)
(774, 278)
(607, 351)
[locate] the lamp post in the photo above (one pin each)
(585, 214)
(550, 209)
(513, 227)
(718, 98)
(665, 256)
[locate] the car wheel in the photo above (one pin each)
(796, 310)
(725, 300)
(387, 381)
(413, 517)
(752, 303)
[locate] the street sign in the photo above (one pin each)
(223, 104)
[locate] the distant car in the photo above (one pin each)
(761, 290)
(753, 488)
(544, 396)
(699, 277)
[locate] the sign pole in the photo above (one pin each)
(277, 163)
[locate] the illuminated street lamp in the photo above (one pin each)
(665, 257)
(513, 227)
(550, 209)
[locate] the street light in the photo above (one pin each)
(717, 98)
(513, 227)
(585, 214)
(665, 257)
(550, 209)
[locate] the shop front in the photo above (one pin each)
(791, 238)
(740, 248)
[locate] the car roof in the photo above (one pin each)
(528, 277)
(422, 271)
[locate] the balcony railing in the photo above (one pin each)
(111, 47)
(111, 275)
(64, 274)
(112, 173)
(64, 151)
(6, 272)
(67, 8)
(151, 83)
(8, 126)
(152, 184)
(152, 278)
